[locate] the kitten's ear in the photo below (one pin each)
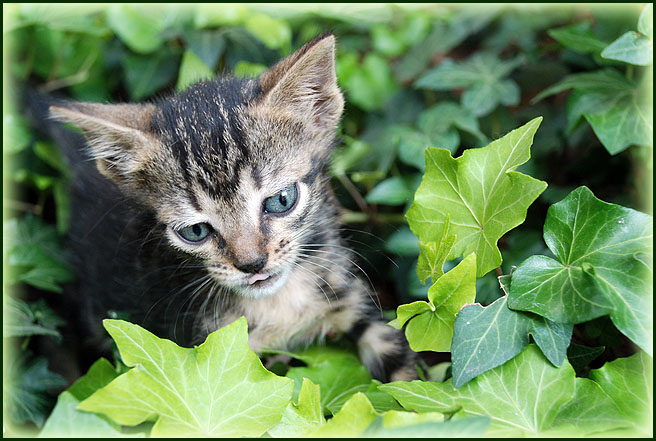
(117, 134)
(305, 84)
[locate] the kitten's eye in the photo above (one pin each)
(282, 202)
(194, 233)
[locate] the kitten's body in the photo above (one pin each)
(219, 155)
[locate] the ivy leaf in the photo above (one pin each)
(580, 356)
(145, 75)
(430, 326)
(217, 388)
(24, 319)
(632, 48)
(66, 421)
(392, 191)
(646, 20)
(433, 255)
(483, 78)
(611, 104)
(339, 377)
(578, 37)
(354, 417)
(480, 192)
(274, 33)
(486, 337)
(27, 383)
(590, 412)
(521, 397)
(603, 267)
(138, 30)
(629, 383)
(302, 417)
(192, 70)
(473, 427)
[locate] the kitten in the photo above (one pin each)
(214, 204)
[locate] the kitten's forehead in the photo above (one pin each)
(204, 130)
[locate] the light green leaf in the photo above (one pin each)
(629, 383)
(139, 31)
(472, 427)
(632, 48)
(395, 418)
(433, 255)
(480, 192)
(303, 417)
(219, 14)
(578, 37)
(646, 20)
(99, 375)
(274, 33)
(402, 242)
(339, 377)
(245, 69)
(354, 417)
(604, 267)
(626, 123)
(413, 144)
(486, 337)
(66, 421)
(430, 326)
(217, 388)
(590, 412)
(521, 397)
(16, 134)
(192, 70)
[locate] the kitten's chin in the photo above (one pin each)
(262, 288)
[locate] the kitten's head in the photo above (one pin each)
(233, 167)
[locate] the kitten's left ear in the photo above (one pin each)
(305, 84)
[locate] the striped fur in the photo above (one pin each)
(212, 155)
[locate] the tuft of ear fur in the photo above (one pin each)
(305, 84)
(117, 134)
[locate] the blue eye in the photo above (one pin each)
(194, 233)
(282, 202)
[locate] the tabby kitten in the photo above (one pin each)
(214, 204)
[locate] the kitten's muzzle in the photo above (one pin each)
(251, 267)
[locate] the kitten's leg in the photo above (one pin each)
(384, 350)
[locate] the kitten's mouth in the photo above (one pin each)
(256, 278)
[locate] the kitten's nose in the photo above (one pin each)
(251, 267)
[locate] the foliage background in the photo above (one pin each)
(413, 76)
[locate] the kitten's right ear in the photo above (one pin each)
(118, 134)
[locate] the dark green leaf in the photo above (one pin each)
(24, 319)
(486, 337)
(578, 37)
(580, 356)
(614, 243)
(146, 75)
(391, 191)
(402, 242)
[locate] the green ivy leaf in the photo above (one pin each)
(402, 242)
(339, 377)
(580, 356)
(629, 383)
(632, 48)
(578, 37)
(480, 191)
(430, 326)
(368, 85)
(646, 20)
(137, 29)
(521, 397)
(591, 412)
(354, 417)
(217, 388)
(192, 70)
(483, 77)
(473, 427)
(24, 319)
(302, 417)
(487, 337)
(274, 33)
(66, 421)
(433, 255)
(611, 104)
(145, 75)
(27, 383)
(16, 134)
(603, 267)
(33, 254)
(391, 191)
